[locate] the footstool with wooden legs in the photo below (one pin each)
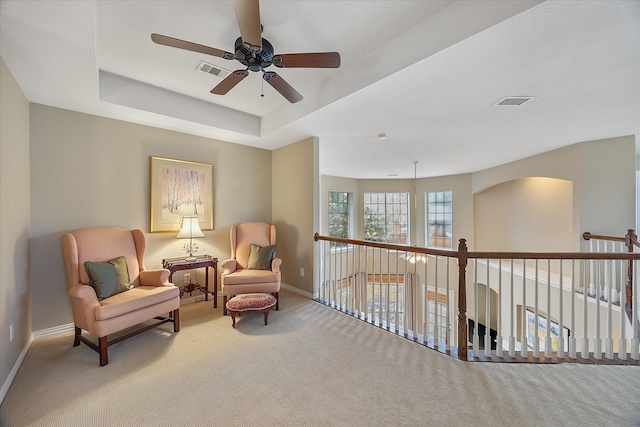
(251, 303)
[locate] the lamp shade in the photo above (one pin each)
(189, 228)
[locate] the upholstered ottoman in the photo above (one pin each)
(251, 303)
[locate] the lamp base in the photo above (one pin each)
(190, 258)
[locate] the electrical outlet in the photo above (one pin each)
(11, 332)
(302, 272)
(187, 278)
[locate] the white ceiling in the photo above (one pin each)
(426, 73)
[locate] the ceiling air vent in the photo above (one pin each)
(514, 100)
(212, 69)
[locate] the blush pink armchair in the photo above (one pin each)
(150, 295)
(237, 278)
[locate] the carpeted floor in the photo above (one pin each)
(311, 366)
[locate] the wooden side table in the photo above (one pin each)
(202, 261)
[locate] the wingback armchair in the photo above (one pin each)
(241, 274)
(145, 295)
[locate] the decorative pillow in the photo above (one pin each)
(108, 278)
(260, 258)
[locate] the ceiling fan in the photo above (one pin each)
(255, 53)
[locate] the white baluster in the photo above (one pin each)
(512, 338)
(476, 337)
(597, 350)
(609, 338)
(622, 341)
(536, 336)
(572, 318)
(487, 316)
(547, 344)
(523, 338)
(585, 324)
(499, 335)
(561, 314)
(635, 344)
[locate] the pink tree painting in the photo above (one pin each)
(182, 194)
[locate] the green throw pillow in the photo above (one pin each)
(108, 278)
(260, 258)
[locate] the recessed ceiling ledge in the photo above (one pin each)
(132, 93)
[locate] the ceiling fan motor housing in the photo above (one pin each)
(255, 61)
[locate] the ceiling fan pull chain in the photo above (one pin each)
(262, 94)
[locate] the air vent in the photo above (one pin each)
(514, 100)
(212, 69)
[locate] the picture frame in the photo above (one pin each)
(179, 188)
(543, 330)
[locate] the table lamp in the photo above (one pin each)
(190, 229)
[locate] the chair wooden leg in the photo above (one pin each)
(224, 305)
(277, 295)
(76, 338)
(104, 356)
(176, 320)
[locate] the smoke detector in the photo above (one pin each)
(513, 100)
(213, 69)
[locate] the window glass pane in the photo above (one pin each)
(385, 217)
(339, 215)
(439, 219)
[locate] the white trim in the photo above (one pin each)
(14, 371)
(52, 331)
(297, 290)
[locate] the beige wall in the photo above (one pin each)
(15, 289)
(295, 210)
(602, 174)
(491, 219)
(540, 215)
(527, 214)
(88, 170)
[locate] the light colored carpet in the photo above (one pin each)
(311, 366)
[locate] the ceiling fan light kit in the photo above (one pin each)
(255, 53)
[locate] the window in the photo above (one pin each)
(386, 217)
(339, 215)
(439, 219)
(437, 309)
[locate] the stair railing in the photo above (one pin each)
(408, 291)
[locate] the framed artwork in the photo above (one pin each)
(180, 188)
(545, 328)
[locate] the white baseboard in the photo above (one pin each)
(52, 331)
(14, 370)
(297, 290)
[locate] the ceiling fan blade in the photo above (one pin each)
(248, 16)
(282, 86)
(194, 47)
(229, 82)
(307, 60)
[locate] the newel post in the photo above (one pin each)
(629, 240)
(463, 335)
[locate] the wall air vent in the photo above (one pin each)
(514, 100)
(212, 69)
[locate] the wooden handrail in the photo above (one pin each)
(588, 236)
(392, 247)
(484, 255)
